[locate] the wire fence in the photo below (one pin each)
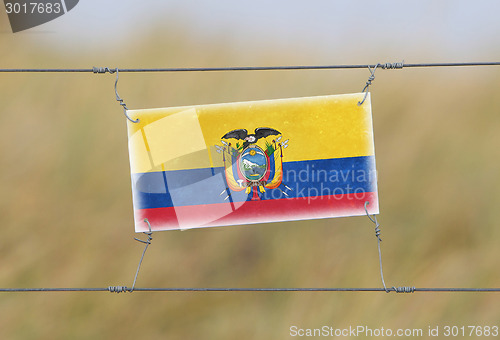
(371, 67)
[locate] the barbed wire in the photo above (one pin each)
(397, 65)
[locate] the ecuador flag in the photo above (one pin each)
(252, 162)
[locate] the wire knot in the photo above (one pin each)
(392, 66)
(403, 289)
(368, 83)
(103, 70)
(147, 233)
(378, 232)
(374, 220)
(118, 289)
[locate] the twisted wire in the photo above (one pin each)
(392, 66)
(404, 289)
(118, 99)
(379, 239)
(147, 242)
(368, 83)
(377, 234)
(118, 289)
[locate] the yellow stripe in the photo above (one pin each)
(316, 127)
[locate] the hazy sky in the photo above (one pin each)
(424, 29)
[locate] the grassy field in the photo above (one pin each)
(66, 209)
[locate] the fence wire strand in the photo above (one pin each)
(398, 65)
(173, 289)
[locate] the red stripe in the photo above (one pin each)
(211, 215)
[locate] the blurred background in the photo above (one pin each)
(65, 201)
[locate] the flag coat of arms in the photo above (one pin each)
(252, 162)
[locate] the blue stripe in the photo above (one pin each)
(322, 177)
(272, 165)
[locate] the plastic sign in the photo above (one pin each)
(252, 162)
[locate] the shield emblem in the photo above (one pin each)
(254, 165)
